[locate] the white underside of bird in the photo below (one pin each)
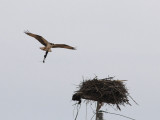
(47, 48)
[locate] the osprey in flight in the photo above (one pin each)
(47, 44)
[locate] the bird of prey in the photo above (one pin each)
(47, 44)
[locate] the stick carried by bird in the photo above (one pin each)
(47, 44)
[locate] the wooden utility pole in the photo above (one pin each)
(99, 115)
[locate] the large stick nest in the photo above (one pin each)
(112, 92)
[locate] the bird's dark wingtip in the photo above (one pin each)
(74, 48)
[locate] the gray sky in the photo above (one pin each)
(113, 37)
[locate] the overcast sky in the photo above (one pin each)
(113, 37)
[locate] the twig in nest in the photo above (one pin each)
(86, 111)
(78, 108)
(133, 100)
(117, 114)
(93, 116)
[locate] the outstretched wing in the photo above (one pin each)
(38, 37)
(63, 46)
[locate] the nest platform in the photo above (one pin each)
(109, 91)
